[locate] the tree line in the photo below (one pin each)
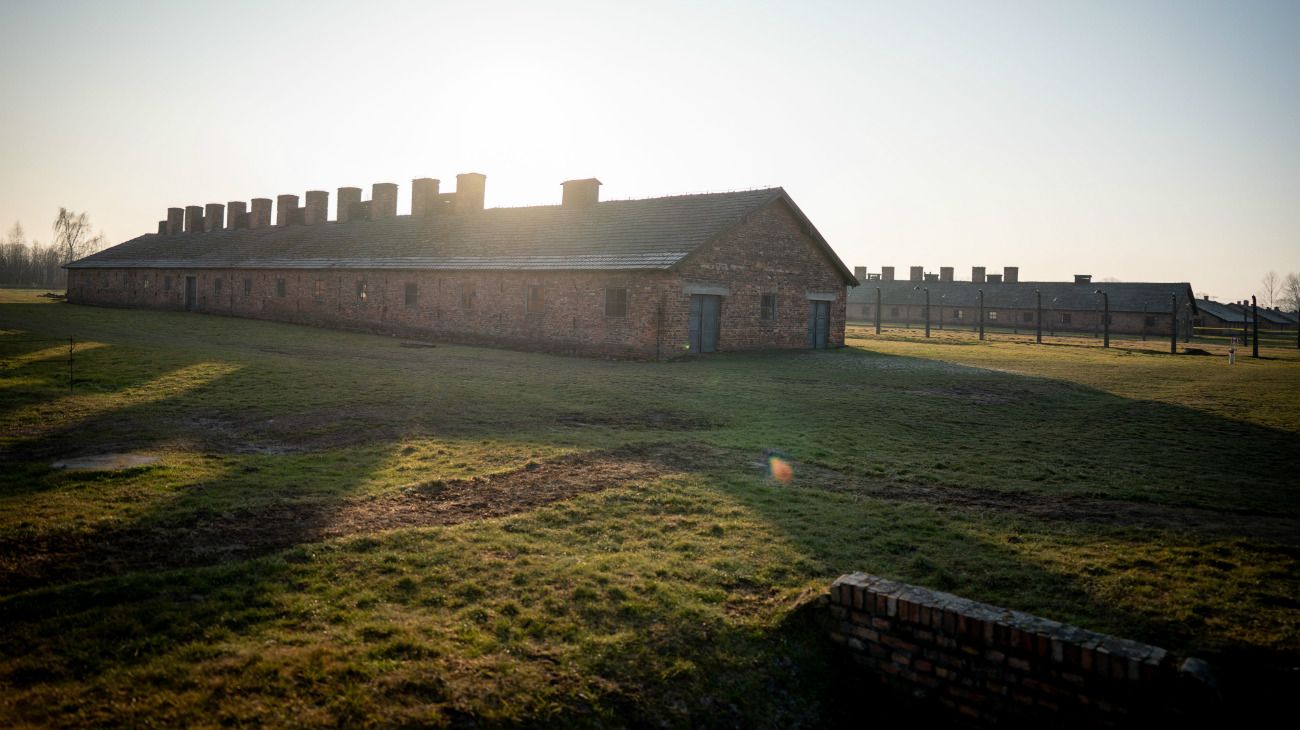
(24, 264)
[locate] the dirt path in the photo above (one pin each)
(243, 534)
(1115, 512)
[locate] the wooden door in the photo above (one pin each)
(819, 324)
(191, 293)
(704, 317)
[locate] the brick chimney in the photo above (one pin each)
(469, 192)
(860, 273)
(162, 228)
(580, 193)
(285, 205)
(424, 196)
(1083, 278)
(214, 217)
(1011, 274)
(945, 273)
(383, 200)
(977, 274)
(347, 198)
(260, 215)
(193, 219)
(886, 273)
(993, 279)
(175, 220)
(917, 273)
(238, 211)
(317, 209)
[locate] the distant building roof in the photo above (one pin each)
(1274, 317)
(1124, 296)
(1223, 311)
(654, 233)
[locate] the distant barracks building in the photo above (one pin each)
(1139, 308)
(654, 278)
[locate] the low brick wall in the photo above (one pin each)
(996, 666)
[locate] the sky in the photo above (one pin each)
(1135, 140)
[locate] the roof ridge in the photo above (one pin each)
(673, 196)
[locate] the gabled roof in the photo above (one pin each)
(1237, 314)
(1222, 311)
(654, 233)
(1274, 317)
(1124, 296)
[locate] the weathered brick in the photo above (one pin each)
(894, 642)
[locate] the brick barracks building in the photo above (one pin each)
(654, 278)
(1067, 307)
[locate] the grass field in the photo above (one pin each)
(339, 530)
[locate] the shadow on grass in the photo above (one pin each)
(255, 534)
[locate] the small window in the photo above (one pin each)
(216, 284)
(536, 300)
(993, 316)
(363, 290)
(248, 286)
(1151, 321)
(318, 290)
(1065, 317)
(958, 314)
(893, 311)
(412, 293)
(615, 301)
(167, 283)
(146, 282)
(279, 288)
(1027, 316)
(767, 307)
(467, 296)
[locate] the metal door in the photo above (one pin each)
(191, 294)
(819, 324)
(704, 323)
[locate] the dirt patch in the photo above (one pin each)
(205, 539)
(656, 420)
(1115, 512)
(106, 462)
(969, 395)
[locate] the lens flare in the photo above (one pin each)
(780, 469)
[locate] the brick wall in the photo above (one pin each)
(991, 665)
(572, 318)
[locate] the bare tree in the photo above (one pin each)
(72, 236)
(1272, 285)
(1291, 292)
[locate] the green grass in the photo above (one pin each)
(1124, 490)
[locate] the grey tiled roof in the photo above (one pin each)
(1235, 314)
(1124, 296)
(654, 233)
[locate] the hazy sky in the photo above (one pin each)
(1136, 140)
